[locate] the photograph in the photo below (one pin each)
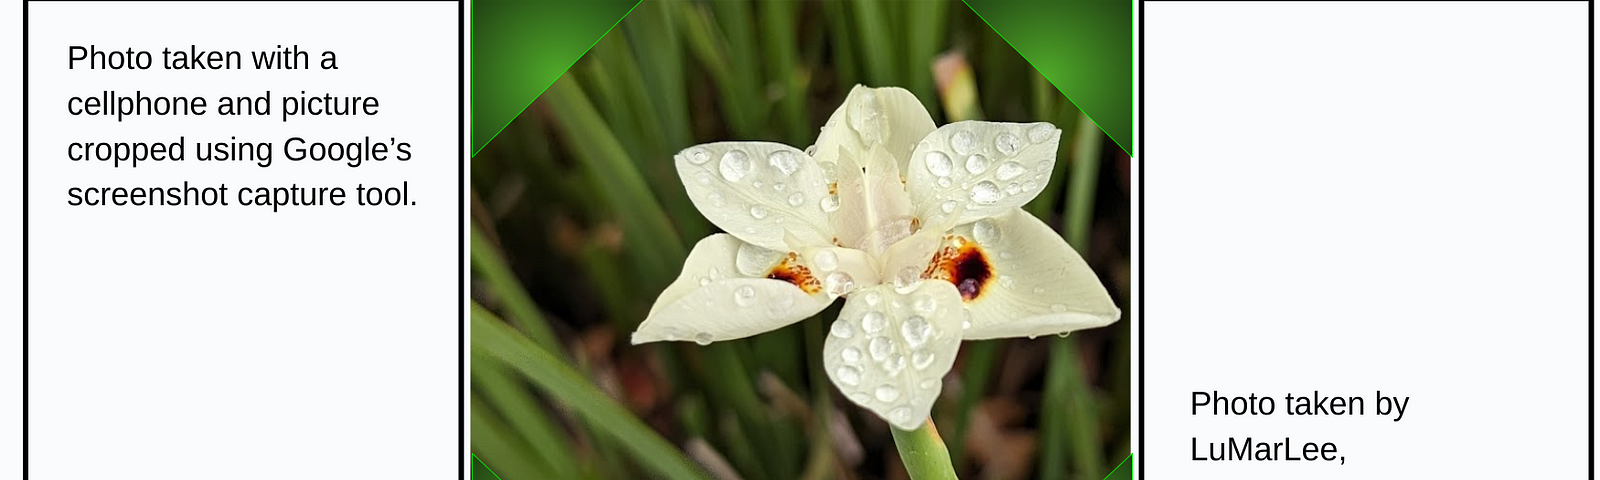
(800, 239)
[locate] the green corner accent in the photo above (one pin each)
(1124, 470)
(1084, 47)
(520, 48)
(481, 471)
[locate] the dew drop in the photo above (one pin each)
(825, 260)
(879, 348)
(698, 156)
(1058, 308)
(922, 360)
(1040, 132)
(670, 334)
(887, 393)
(848, 375)
(985, 232)
(895, 364)
(866, 118)
(916, 331)
(977, 164)
(702, 338)
(900, 415)
(1029, 185)
(839, 283)
(830, 203)
(948, 206)
(871, 298)
(873, 322)
(1063, 334)
(758, 184)
(850, 355)
(1038, 290)
(842, 329)
(796, 199)
(757, 211)
(963, 142)
(744, 296)
(1013, 188)
(703, 177)
(938, 164)
(705, 281)
(779, 186)
(735, 165)
(907, 279)
(1009, 170)
(1007, 281)
(811, 151)
(1043, 167)
(785, 161)
(1007, 144)
(924, 304)
(716, 198)
(985, 193)
(928, 383)
(944, 182)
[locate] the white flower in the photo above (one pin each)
(920, 228)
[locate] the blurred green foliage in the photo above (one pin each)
(579, 221)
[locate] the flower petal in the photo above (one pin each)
(757, 191)
(874, 211)
(969, 170)
(713, 300)
(888, 116)
(889, 351)
(1038, 285)
(841, 269)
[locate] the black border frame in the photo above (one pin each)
(464, 461)
(1139, 287)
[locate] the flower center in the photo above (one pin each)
(962, 263)
(790, 270)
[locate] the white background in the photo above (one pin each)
(314, 342)
(1361, 196)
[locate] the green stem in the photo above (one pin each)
(924, 453)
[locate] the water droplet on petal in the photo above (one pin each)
(916, 331)
(922, 360)
(963, 142)
(670, 334)
(839, 283)
(1009, 170)
(924, 304)
(871, 298)
(744, 296)
(879, 348)
(907, 279)
(1040, 132)
(825, 260)
(1029, 185)
(785, 161)
(702, 338)
(735, 165)
(796, 199)
(850, 355)
(1058, 308)
(887, 393)
(895, 364)
(1013, 189)
(1063, 334)
(977, 164)
(830, 203)
(848, 375)
(779, 186)
(927, 383)
(703, 177)
(698, 156)
(866, 118)
(900, 415)
(938, 164)
(758, 211)
(705, 281)
(1007, 144)
(758, 184)
(985, 232)
(873, 322)
(1007, 281)
(842, 329)
(1038, 290)
(716, 198)
(986, 193)
(948, 206)
(811, 151)
(944, 182)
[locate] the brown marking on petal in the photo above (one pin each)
(962, 263)
(790, 270)
(833, 188)
(916, 224)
